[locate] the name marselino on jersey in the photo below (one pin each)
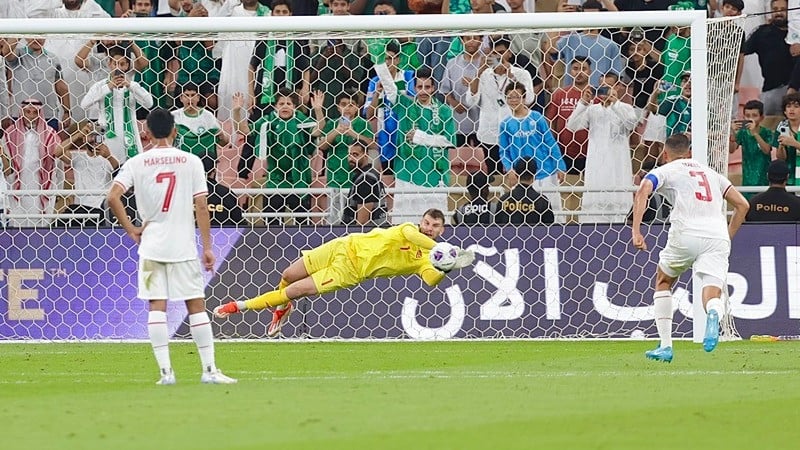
(164, 160)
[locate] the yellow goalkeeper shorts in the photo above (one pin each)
(331, 266)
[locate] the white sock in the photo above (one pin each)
(159, 339)
(662, 303)
(715, 304)
(203, 337)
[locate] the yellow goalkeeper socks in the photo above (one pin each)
(283, 284)
(272, 298)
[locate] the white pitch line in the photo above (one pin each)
(93, 377)
(378, 375)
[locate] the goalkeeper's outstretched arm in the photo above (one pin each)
(413, 235)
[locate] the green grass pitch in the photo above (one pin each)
(403, 395)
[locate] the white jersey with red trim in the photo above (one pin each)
(165, 182)
(697, 194)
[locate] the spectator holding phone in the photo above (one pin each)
(573, 144)
(487, 91)
(608, 162)
(676, 109)
(787, 135)
(113, 102)
(755, 143)
(92, 165)
(675, 59)
(93, 56)
(459, 70)
(153, 76)
(335, 147)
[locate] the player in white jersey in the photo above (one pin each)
(699, 236)
(170, 190)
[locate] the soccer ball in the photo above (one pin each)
(443, 256)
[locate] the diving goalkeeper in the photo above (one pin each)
(347, 261)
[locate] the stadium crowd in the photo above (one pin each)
(524, 113)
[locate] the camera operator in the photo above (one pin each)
(92, 165)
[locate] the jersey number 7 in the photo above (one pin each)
(703, 182)
(169, 177)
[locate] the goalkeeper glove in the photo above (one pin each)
(465, 258)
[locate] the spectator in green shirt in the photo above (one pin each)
(675, 60)
(426, 132)
(285, 139)
(787, 135)
(198, 130)
(339, 136)
(676, 56)
(677, 108)
(754, 140)
(157, 53)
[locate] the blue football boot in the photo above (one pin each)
(712, 331)
(663, 354)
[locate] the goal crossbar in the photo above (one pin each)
(304, 25)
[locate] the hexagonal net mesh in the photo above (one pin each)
(443, 114)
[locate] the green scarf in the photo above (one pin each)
(129, 136)
(267, 85)
(262, 10)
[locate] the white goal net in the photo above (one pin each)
(274, 106)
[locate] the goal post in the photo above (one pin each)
(584, 273)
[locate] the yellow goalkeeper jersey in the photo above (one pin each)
(398, 250)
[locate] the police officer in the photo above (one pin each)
(524, 205)
(776, 204)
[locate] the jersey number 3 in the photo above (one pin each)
(169, 177)
(705, 194)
